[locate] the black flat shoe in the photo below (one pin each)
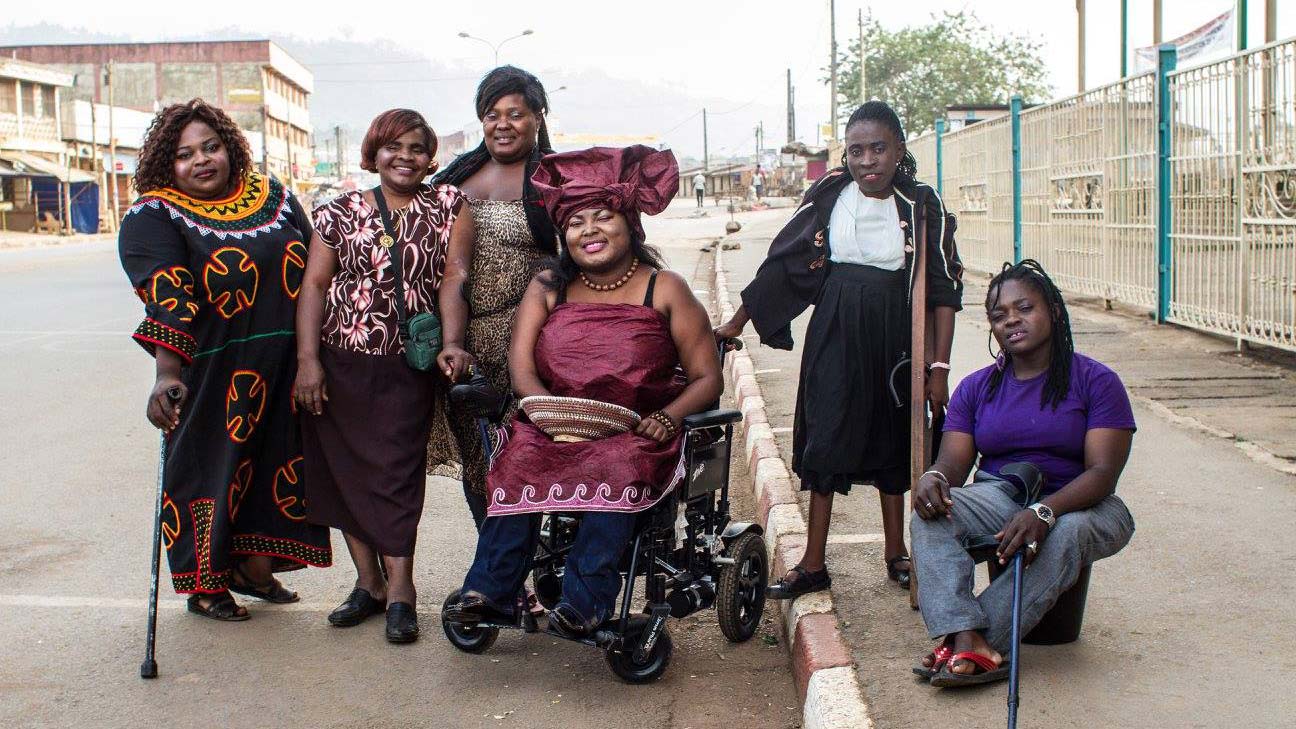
(358, 607)
(402, 623)
(804, 583)
(473, 608)
(901, 576)
(222, 607)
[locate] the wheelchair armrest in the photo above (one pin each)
(1028, 479)
(711, 417)
(980, 547)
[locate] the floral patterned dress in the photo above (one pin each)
(366, 454)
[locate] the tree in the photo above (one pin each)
(955, 59)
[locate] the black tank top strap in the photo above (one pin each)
(648, 295)
(562, 294)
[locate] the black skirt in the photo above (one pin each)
(848, 427)
(366, 454)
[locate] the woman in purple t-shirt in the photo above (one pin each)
(1040, 403)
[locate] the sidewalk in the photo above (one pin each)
(17, 239)
(1159, 648)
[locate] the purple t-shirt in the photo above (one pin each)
(1011, 426)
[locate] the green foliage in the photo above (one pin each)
(955, 59)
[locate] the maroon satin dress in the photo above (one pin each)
(615, 353)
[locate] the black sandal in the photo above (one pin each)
(222, 607)
(272, 591)
(899, 575)
(804, 583)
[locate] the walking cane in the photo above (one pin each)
(1014, 660)
(148, 669)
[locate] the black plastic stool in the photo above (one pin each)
(1062, 623)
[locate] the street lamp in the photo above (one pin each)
(495, 47)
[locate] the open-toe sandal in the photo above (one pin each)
(272, 591)
(222, 607)
(803, 583)
(987, 671)
(939, 656)
(901, 576)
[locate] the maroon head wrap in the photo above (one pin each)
(632, 181)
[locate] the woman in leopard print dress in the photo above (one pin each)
(513, 234)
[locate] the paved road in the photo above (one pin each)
(77, 487)
(1190, 626)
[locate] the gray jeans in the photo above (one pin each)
(945, 571)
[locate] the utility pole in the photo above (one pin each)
(706, 155)
(832, 67)
(863, 61)
(95, 168)
(67, 194)
(1080, 46)
(265, 139)
(791, 109)
(112, 151)
(1240, 20)
(338, 168)
(1156, 22)
(1271, 21)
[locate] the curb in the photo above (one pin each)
(830, 693)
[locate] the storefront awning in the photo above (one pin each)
(22, 164)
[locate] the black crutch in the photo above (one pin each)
(148, 669)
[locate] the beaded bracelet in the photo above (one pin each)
(667, 423)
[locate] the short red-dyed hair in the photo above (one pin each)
(388, 126)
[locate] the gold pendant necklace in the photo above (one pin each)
(634, 265)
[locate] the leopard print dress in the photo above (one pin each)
(505, 258)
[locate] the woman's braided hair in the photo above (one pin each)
(881, 112)
(156, 168)
(1061, 343)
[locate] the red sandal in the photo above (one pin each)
(989, 673)
(940, 655)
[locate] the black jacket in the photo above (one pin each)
(794, 271)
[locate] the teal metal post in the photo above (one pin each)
(1016, 108)
(940, 158)
(1124, 38)
(1167, 58)
(1240, 17)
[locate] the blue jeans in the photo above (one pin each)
(592, 579)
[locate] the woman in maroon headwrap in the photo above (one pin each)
(603, 322)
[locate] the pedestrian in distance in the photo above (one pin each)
(758, 182)
(850, 250)
(513, 236)
(1043, 403)
(215, 250)
(699, 187)
(379, 258)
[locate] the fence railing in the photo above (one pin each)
(1084, 192)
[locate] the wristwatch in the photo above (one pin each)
(1044, 513)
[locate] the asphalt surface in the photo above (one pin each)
(75, 497)
(1190, 626)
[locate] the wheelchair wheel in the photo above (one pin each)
(623, 664)
(467, 638)
(740, 596)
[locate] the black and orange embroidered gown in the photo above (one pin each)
(219, 280)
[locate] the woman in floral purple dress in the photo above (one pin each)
(367, 413)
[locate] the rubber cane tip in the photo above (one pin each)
(148, 669)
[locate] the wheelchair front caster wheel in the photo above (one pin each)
(623, 664)
(740, 595)
(467, 638)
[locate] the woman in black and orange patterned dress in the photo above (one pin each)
(217, 253)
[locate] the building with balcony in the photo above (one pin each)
(263, 89)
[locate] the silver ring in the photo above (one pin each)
(929, 505)
(1033, 546)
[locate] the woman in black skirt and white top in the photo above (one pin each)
(850, 250)
(366, 412)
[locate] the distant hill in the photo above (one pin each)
(354, 80)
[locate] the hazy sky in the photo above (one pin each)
(734, 50)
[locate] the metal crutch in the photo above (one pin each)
(149, 669)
